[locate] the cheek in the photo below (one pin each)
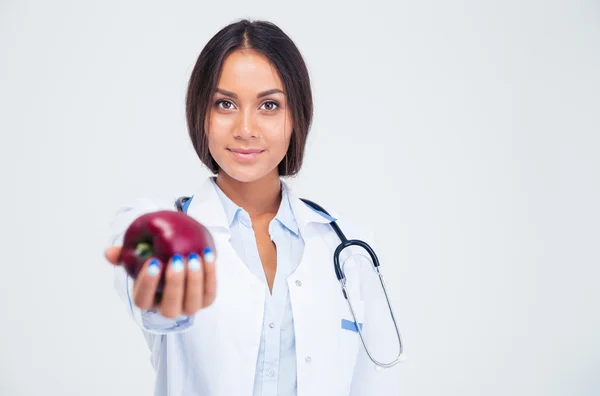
(219, 124)
(278, 134)
(218, 131)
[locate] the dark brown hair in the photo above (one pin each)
(270, 41)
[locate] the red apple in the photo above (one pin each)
(162, 234)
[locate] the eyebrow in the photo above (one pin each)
(260, 95)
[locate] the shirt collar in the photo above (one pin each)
(206, 206)
(285, 215)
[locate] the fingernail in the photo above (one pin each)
(153, 267)
(177, 263)
(209, 256)
(194, 262)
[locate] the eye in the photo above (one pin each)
(225, 104)
(270, 105)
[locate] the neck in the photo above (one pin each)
(258, 198)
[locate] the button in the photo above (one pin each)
(298, 283)
(270, 373)
(308, 359)
(272, 325)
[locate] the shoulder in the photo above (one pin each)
(349, 223)
(319, 209)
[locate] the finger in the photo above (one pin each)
(194, 285)
(210, 279)
(145, 285)
(112, 254)
(172, 299)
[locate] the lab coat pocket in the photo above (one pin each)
(349, 339)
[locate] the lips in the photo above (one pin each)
(245, 151)
(245, 154)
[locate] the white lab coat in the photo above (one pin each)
(222, 342)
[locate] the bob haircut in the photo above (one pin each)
(271, 42)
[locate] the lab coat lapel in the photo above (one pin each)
(313, 287)
(240, 295)
(314, 293)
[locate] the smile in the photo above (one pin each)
(245, 154)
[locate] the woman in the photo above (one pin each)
(267, 317)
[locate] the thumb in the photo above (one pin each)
(112, 254)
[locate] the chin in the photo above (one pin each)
(247, 174)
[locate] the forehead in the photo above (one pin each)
(248, 70)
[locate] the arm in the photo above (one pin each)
(149, 320)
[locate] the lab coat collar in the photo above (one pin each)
(305, 215)
(206, 207)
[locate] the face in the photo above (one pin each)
(249, 126)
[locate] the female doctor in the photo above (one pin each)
(264, 314)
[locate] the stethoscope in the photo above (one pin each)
(345, 243)
(182, 204)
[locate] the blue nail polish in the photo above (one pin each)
(177, 263)
(194, 262)
(209, 256)
(153, 267)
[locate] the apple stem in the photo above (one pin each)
(143, 250)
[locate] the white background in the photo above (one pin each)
(464, 134)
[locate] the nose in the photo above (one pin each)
(246, 127)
